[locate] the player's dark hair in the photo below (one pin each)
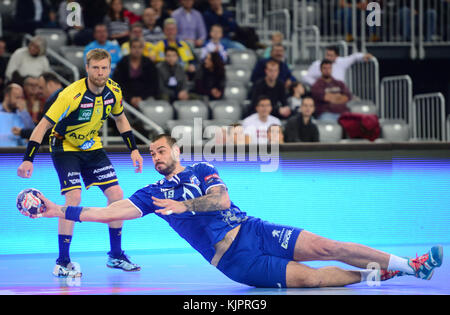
(170, 140)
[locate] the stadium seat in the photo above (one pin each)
(184, 129)
(213, 104)
(135, 6)
(158, 111)
(55, 38)
(329, 131)
(235, 91)
(191, 109)
(300, 71)
(74, 54)
(394, 130)
(238, 74)
(243, 58)
(227, 111)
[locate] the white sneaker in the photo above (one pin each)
(73, 270)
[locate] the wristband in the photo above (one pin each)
(73, 213)
(129, 140)
(31, 151)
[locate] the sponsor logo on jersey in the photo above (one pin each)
(209, 177)
(98, 170)
(85, 114)
(77, 96)
(87, 145)
(108, 102)
(87, 105)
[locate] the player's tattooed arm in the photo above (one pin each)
(216, 199)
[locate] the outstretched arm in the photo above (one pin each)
(216, 199)
(117, 211)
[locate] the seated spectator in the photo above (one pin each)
(161, 13)
(137, 32)
(186, 56)
(273, 88)
(137, 75)
(330, 95)
(217, 15)
(277, 39)
(13, 113)
(210, 77)
(32, 94)
(31, 15)
(256, 125)
(118, 20)
(300, 127)
(49, 87)
(28, 61)
(172, 78)
(214, 44)
(192, 28)
(152, 32)
(3, 64)
(340, 65)
(101, 41)
(277, 54)
(93, 13)
(275, 134)
(235, 135)
(296, 92)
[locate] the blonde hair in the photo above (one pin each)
(97, 54)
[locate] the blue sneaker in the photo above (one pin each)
(424, 265)
(121, 262)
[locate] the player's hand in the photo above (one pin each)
(25, 169)
(52, 209)
(169, 206)
(138, 161)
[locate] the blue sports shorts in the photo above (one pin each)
(260, 253)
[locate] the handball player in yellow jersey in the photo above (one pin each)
(76, 116)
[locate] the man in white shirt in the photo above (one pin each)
(256, 125)
(340, 65)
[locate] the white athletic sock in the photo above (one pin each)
(400, 264)
(370, 275)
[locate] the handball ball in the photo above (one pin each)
(28, 202)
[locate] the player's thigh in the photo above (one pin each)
(97, 170)
(310, 246)
(68, 168)
(301, 276)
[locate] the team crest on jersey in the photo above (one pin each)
(194, 180)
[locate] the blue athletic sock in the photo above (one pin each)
(115, 239)
(64, 246)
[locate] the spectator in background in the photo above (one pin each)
(93, 13)
(340, 65)
(101, 41)
(137, 32)
(235, 135)
(31, 15)
(137, 75)
(3, 64)
(191, 27)
(118, 20)
(216, 14)
(277, 39)
(296, 92)
(256, 125)
(300, 127)
(28, 61)
(330, 95)
(273, 89)
(210, 77)
(49, 87)
(13, 114)
(186, 56)
(33, 96)
(161, 13)
(152, 32)
(275, 134)
(277, 54)
(214, 44)
(430, 19)
(173, 80)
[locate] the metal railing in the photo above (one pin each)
(429, 117)
(107, 139)
(396, 98)
(363, 80)
(278, 21)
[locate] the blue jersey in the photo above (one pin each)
(201, 230)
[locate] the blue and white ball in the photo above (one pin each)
(28, 202)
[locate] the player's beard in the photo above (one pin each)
(168, 169)
(98, 82)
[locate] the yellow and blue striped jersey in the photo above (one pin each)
(78, 114)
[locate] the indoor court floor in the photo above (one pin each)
(185, 272)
